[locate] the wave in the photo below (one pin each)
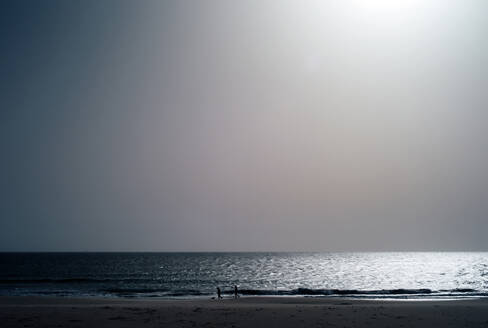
(382, 293)
(150, 287)
(327, 292)
(299, 292)
(460, 290)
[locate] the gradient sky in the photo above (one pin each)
(243, 125)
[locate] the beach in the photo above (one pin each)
(26, 311)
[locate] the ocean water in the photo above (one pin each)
(187, 275)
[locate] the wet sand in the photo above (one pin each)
(243, 312)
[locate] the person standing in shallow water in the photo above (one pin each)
(235, 292)
(219, 295)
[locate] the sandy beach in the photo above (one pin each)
(244, 312)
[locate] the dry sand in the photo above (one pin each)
(244, 312)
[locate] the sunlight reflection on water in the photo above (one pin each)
(400, 275)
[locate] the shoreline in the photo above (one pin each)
(319, 298)
(360, 298)
(261, 311)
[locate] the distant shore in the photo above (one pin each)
(26, 311)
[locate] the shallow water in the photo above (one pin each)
(369, 275)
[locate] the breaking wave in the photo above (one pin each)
(390, 293)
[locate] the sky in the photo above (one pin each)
(243, 125)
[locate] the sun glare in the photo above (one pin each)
(386, 11)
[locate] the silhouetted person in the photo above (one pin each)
(235, 292)
(219, 296)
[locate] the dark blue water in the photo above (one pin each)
(368, 275)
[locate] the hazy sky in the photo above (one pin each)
(243, 125)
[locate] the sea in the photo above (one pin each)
(395, 275)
